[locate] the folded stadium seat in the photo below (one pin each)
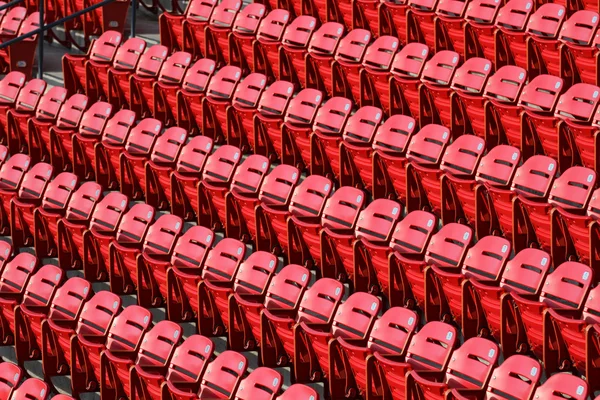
(407, 69)
(356, 149)
(518, 376)
(420, 22)
(38, 128)
(127, 245)
(10, 89)
(223, 376)
(297, 129)
(279, 320)
(58, 139)
(218, 99)
(449, 26)
(265, 49)
(348, 357)
(240, 115)
(577, 130)
(562, 385)
(170, 78)
(13, 282)
(457, 182)
(243, 34)
(54, 337)
(375, 75)
(187, 263)
(371, 250)
(102, 230)
(326, 138)
(392, 20)
(443, 285)
(578, 53)
(186, 368)
(511, 34)
(321, 55)
(222, 280)
(138, 149)
(159, 168)
(217, 32)
(429, 351)
(123, 66)
(338, 224)
(533, 183)
(540, 125)
(19, 58)
(469, 369)
(75, 69)
(196, 17)
(101, 58)
(389, 157)
(423, 173)
(29, 197)
(365, 15)
(252, 186)
(262, 384)
(11, 177)
(294, 48)
(187, 174)
(216, 181)
(502, 112)
(10, 377)
(123, 342)
(153, 262)
(32, 310)
(17, 117)
(189, 97)
(467, 104)
(480, 28)
(304, 225)
(108, 152)
(434, 93)
(91, 128)
(53, 208)
(141, 92)
(346, 67)
(33, 389)
(543, 46)
(566, 288)
(89, 341)
(75, 223)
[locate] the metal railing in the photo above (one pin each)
(45, 27)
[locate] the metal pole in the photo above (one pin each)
(9, 5)
(41, 42)
(133, 17)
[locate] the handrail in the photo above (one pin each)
(9, 5)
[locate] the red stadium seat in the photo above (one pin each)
(10, 90)
(434, 93)
(543, 46)
(321, 55)
(272, 107)
(32, 388)
(375, 76)
(38, 128)
(170, 78)
(223, 376)
(11, 178)
(262, 384)
(243, 34)
(511, 36)
(140, 99)
(218, 99)
(449, 28)
(517, 377)
(392, 19)
(19, 58)
(59, 143)
(562, 385)
(101, 58)
(578, 54)
(265, 49)
(172, 27)
(294, 48)
(191, 94)
(420, 21)
(124, 65)
(10, 377)
(18, 117)
(345, 70)
(218, 30)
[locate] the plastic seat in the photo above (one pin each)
(123, 344)
(125, 63)
(321, 55)
(345, 70)
(217, 178)
(10, 90)
(17, 118)
(241, 113)
(420, 21)
(75, 223)
(262, 384)
(218, 99)
(218, 30)
(434, 93)
(562, 385)
(543, 46)
(53, 208)
(165, 89)
(32, 388)
(449, 29)
(511, 40)
(124, 250)
(10, 377)
(294, 48)
(191, 94)
(407, 69)
(389, 157)
(91, 127)
(243, 34)
(20, 58)
(578, 52)
(138, 149)
(517, 376)
(100, 60)
(265, 49)
(12, 173)
(392, 19)
(423, 173)
(187, 174)
(196, 17)
(267, 123)
(223, 376)
(374, 77)
(163, 161)
(38, 128)
(141, 93)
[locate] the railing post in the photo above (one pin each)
(133, 17)
(41, 42)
